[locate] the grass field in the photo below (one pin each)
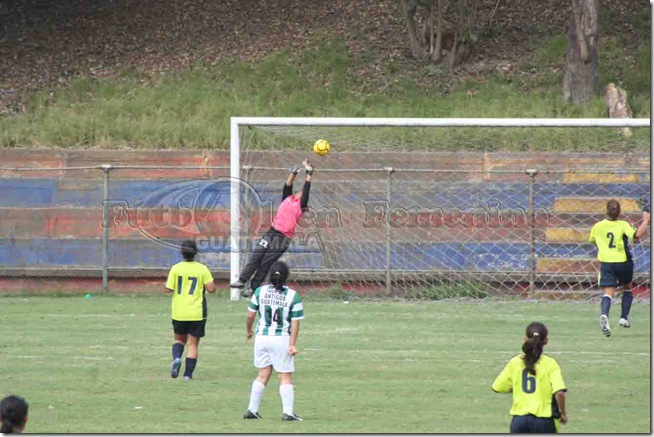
(101, 365)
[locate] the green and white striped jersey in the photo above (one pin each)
(276, 310)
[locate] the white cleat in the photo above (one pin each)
(604, 324)
(624, 323)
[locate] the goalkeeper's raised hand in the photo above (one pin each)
(308, 168)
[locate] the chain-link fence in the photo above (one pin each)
(414, 231)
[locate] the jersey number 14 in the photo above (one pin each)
(276, 315)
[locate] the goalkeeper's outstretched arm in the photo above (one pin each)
(304, 199)
(288, 185)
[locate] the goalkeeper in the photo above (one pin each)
(277, 239)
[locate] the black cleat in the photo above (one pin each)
(237, 284)
(247, 293)
(250, 415)
(291, 417)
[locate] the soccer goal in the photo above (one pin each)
(442, 208)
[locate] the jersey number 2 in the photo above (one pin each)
(528, 382)
(611, 238)
(180, 281)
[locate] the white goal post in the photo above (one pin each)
(236, 149)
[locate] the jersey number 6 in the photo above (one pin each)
(528, 382)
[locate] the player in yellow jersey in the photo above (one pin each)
(188, 280)
(537, 386)
(617, 267)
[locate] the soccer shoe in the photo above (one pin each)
(174, 370)
(246, 293)
(237, 284)
(290, 417)
(624, 323)
(250, 415)
(187, 378)
(604, 324)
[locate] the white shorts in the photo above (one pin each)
(269, 350)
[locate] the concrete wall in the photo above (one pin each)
(51, 219)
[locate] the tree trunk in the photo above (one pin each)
(615, 99)
(417, 49)
(438, 47)
(580, 75)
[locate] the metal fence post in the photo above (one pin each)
(106, 168)
(532, 238)
(389, 182)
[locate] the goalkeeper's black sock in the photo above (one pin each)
(178, 350)
(627, 298)
(190, 367)
(605, 305)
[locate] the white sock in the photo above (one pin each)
(286, 392)
(255, 396)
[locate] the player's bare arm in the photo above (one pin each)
(644, 226)
(249, 322)
(210, 287)
(560, 400)
(295, 329)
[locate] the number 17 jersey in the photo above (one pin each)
(276, 309)
(187, 280)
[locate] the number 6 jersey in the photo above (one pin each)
(276, 309)
(187, 280)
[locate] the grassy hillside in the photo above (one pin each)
(191, 108)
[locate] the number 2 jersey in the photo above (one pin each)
(276, 309)
(612, 239)
(187, 280)
(532, 394)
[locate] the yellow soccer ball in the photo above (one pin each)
(322, 147)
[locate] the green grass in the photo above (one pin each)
(381, 367)
(192, 109)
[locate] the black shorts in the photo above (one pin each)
(191, 327)
(532, 424)
(614, 274)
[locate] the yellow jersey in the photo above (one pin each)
(612, 239)
(187, 280)
(532, 394)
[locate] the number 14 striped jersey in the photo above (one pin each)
(276, 309)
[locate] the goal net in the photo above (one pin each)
(443, 208)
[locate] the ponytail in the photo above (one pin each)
(278, 275)
(533, 346)
(277, 282)
(7, 427)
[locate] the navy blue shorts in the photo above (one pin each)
(615, 274)
(532, 424)
(191, 327)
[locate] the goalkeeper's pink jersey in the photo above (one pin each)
(288, 216)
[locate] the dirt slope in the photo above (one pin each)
(45, 44)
